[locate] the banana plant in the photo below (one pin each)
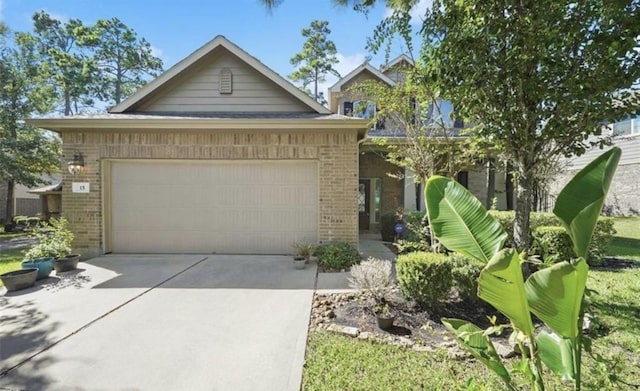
(555, 294)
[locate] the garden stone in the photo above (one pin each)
(345, 330)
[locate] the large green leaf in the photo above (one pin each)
(501, 284)
(477, 343)
(555, 296)
(580, 201)
(460, 221)
(557, 354)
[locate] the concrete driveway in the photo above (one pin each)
(161, 322)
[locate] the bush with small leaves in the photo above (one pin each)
(424, 277)
(372, 276)
(337, 255)
(465, 272)
(553, 244)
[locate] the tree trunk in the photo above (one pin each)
(315, 83)
(491, 182)
(521, 235)
(67, 102)
(509, 186)
(8, 214)
(118, 96)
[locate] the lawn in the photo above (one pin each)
(335, 362)
(626, 243)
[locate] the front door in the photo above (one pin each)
(364, 204)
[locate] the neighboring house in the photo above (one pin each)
(379, 192)
(217, 155)
(624, 195)
(25, 203)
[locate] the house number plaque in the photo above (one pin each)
(80, 187)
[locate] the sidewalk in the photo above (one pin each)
(370, 245)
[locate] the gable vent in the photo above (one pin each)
(226, 81)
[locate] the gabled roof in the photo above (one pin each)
(217, 42)
(365, 66)
(401, 58)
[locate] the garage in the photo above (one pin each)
(191, 206)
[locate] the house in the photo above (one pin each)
(24, 203)
(217, 155)
(383, 187)
(624, 195)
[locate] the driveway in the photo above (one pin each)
(165, 322)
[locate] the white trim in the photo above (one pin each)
(219, 41)
(337, 87)
(396, 61)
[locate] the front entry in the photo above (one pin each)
(364, 204)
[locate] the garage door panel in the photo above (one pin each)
(213, 206)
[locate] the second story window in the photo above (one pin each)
(441, 113)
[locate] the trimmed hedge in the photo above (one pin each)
(465, 272)
(602, 234)
(424, 277)
(337, 255)
(553, 244)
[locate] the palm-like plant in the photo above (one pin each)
(555, 294)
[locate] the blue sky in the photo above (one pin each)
(176, 28)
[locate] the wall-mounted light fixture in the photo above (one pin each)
(76, 164)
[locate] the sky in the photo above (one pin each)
(177, 28)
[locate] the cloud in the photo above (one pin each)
(417, 11)
(156, 51)
(346, 64)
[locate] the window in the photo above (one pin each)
(463, 178)
(364, 109)
(440, 113)
(627, 127)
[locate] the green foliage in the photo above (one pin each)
(124, 60)
(317, 58)
(475, 233)
(533, 108)
(554, 294)
(54, 240)
(303, 249)
(465, 272)
(25, 152)
(602, 233)
(337, 255)
(424, 277)
(553, 244)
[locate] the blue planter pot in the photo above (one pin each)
(44, 266)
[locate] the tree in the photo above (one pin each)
(540, 78)
(25, 152)
(123, 60)
(317, 58)
(65, 57)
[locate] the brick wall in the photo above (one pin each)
(336, 153)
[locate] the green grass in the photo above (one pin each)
(10, 260)
(626, 243)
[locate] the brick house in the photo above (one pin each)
(217, 155)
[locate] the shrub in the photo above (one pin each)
(553, 244)
(405, 246)
(600, 241)
(54, 240)
(602, 234)
(337, 255)
(465, 272)
(424, 277)
(372, 276)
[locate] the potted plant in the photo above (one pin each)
(303, 252)
(384, 314)
(54, 242)
(19, 279)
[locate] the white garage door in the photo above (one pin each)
(246, 207)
